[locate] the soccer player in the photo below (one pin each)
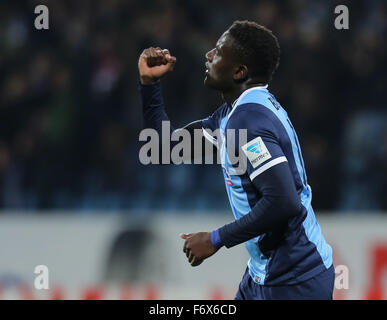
(271, 200)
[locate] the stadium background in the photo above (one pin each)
(73, 194)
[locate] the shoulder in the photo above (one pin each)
(251, 116)
(221, 112)
(212, 121)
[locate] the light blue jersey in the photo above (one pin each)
(291, 253)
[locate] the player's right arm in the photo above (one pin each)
(153, 64)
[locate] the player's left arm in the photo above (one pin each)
(280, 202)
(271, 177)
(270, 173)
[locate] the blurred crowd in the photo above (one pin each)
(71, 113)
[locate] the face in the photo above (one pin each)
(219, 65)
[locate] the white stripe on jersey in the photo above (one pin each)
(236, 102)
(267, 166)
(210, 138)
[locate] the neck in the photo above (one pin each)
(231, 95)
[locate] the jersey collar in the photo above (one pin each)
(246, 91)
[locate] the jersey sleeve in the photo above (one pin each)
(261, 148)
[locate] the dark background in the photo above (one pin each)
(70, 111)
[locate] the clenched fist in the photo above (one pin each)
(154, 63)
(197, 247)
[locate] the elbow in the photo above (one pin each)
(289, 207)
(292, 206)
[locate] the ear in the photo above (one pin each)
(240, 72)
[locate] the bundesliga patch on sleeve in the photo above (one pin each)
(256, 152)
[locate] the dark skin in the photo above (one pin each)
(226, 74)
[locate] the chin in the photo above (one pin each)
(209, 83)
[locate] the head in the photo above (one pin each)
(246, 52)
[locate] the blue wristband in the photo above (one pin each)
(215, 239)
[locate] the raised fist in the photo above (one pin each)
(154, 63)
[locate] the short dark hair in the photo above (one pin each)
(257, 47)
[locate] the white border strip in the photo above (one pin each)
(267, 166)
(209, 137)
(236, 102)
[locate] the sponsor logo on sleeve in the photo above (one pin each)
(256, 152)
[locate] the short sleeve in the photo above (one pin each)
(260, 149)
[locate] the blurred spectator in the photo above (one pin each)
(71, 114)
(364, 166)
